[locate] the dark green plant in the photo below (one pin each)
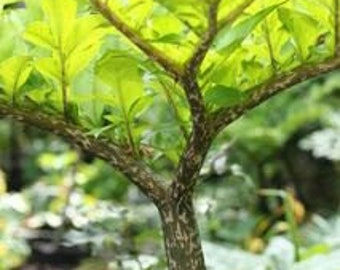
(98, 73)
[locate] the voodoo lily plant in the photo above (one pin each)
(147, 85)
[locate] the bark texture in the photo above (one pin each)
(181, 235)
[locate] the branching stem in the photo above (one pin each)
(116, 155)
(168, 64)
(259, 94)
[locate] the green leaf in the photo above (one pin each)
(37, 96)
(77, 50)
(140, 105)
(85, 87)
(303, 28)
(171, 38)
(14, 72)
(122, 75)
(49, 67)
(231, 38)
(8, 39)
(96, 132)
(61, 18)
(190, 12)
(79, 60)
(88, 32)
(83, 45)
(39, 33)
(223, 96)
(114, 118)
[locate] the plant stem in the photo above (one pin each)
(64, 84)
(181, 236)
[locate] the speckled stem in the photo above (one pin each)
(181, 236)
(205, 42)
(202, 134)
(261, 93)
(136, 171)
(169, 65)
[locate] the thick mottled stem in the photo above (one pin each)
(199, 141)
(191, 162)
(201, 137)
(196, 102)
(261, 93)
(169, 65)
(181, 236)
(136, 171)
(203, 46)
(197, 145)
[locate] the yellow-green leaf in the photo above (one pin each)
(223, 96)
(121, 74)
(303, 28)
(39, 33)
(230, 38)
(14, 72)
(49, 67)
(79, 60)
(88, 31)
(61, 16)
